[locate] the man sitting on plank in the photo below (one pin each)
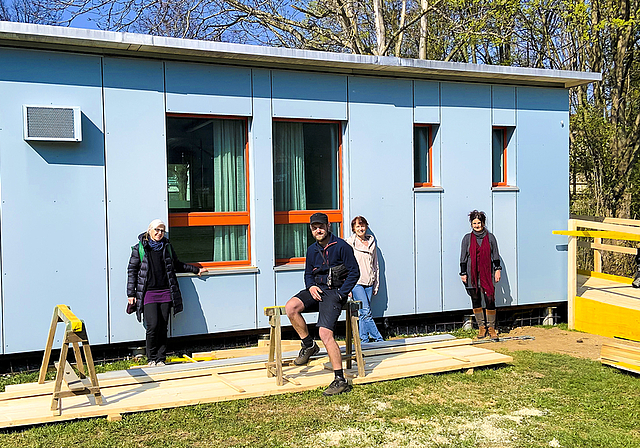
(331, 271)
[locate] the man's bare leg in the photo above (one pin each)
(332, 348)
(294, 308)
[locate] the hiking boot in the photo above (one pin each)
(493, 334)
(337, 386)
(305, 354)
(482, 332)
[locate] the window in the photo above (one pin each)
(307, 179)
(499, 157)
(208, 189)
(422, 156)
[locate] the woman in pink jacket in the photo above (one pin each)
(364, 248)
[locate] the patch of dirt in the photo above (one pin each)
(555, 340)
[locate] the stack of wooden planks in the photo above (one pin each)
(608, 306)
(622, 356)
(148, 388)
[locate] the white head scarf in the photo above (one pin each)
(155, 223)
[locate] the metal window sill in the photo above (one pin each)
(505, 188)
(224, 271)
(428, 189)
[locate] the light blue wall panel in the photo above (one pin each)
(53, 211)
(216, 303)
(136, 171)
(381, 182)
(309, 95)
(466, 176)
(208, 89)
(428, 253)
(288, 283)
(426, 100)
(543, 201)
(503, 105)
(504, 229)
(262, 194)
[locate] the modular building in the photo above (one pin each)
(235, 146)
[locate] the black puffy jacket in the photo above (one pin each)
(138, 273)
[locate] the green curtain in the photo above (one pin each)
(230, 195)
(290, 194)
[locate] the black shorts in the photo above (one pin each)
(329, 308)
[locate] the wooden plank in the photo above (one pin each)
(621, 356)
(186, 391)
(219, 377)
(66, 314)
(608, 247)
(611, 235)
(602, 275)
(610, 224)
(596, 316)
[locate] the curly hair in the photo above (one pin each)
(475, 214)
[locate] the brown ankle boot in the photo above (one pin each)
(491, 325)
(482, 329)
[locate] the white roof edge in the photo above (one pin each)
(141, 45)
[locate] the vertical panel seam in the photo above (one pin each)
(106, 199)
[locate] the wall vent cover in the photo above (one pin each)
(52, 123)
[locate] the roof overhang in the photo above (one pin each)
(111, 43)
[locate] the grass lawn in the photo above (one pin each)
(541, 400)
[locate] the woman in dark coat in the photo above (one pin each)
(479, 268)
(152, 286)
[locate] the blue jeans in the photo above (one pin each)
(367, 325)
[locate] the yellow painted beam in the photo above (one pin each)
(612, 235)
(69, 317)
(614, 278)
(605, 319)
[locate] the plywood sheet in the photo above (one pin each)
(181, 385)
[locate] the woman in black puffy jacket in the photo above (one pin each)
(152, 286)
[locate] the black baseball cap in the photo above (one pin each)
(320, 218)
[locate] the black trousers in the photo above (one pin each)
(476, 299)
(156, 321)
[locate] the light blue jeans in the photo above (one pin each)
(367, 325)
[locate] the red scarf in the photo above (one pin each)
(480, 258)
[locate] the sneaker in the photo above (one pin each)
(305, 354)
(337, 386)
(160, 364)
(636, 280)
(151, 364)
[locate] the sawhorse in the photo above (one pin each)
(274, 363)
(75, 333)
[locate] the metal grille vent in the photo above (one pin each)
(48, 123)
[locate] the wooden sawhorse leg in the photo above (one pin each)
(353, 337)
(274, 363)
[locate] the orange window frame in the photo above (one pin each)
(502, 183)
(303, 216)
(194, 219)
(429, 156)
